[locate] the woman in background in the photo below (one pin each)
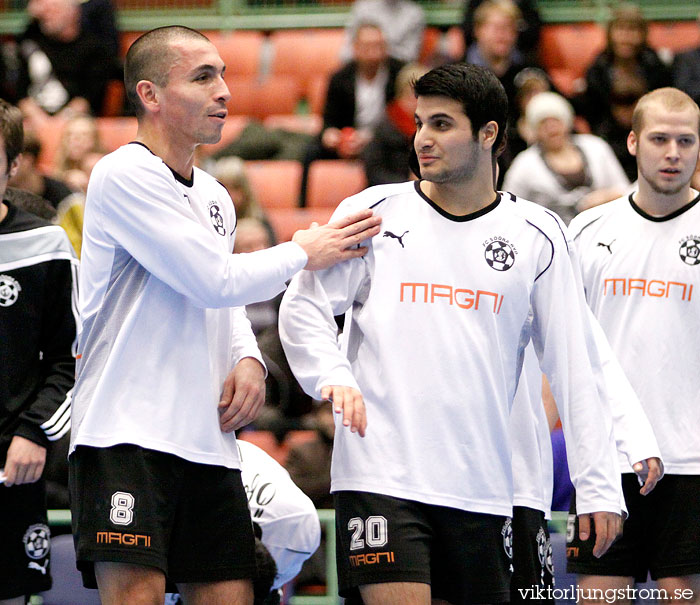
(563, 171)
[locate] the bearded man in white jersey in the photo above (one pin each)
(438, 316)
(168, 365)
(640, 260)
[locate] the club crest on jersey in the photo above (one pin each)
(9, 290)
(216, 219)
(507, 533)
(690, 250)
(37, 541)
(499, 253)
(544, 553)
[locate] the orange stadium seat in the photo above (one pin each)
(567, 49)
(432, 37)
(306, 52)
(309, 123)
(436, 42)
(259, 99)
(115, 132)
(241, 51)
(285, 221)
(275, 183)
(126, 39)
(676, 36)
(50, 139)
(331, 181)
(115, 99)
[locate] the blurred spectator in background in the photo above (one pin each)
(529, 26)
(285, 403)
(309, 462)
(30, 177)
(356, 99)
(496, 25)
(686, 71)
(78, 151)
(63, 67)
(386, 155)
(230, 172)
(627, 69)
(529, 82)
(99, 18)
(69, 204)
(402, 21)
(562, 171)
(309, 465)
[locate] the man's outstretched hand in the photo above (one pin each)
(335, 242)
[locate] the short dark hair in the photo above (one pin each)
(12, 130)
(266, 572)
(150, 58)
(32, 145)
(480, 92)
(31, 203)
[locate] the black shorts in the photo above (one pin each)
(25, 540)
(661, 535)
(144, 507)
(464, 556)
(532, 556)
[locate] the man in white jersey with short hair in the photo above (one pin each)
(532, 463)
(640, 260)
(438, 316)
(168, 366)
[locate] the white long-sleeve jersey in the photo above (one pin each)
(161, 317)
(438, 320)
(291, 530)
(639, 274)
(532, 448)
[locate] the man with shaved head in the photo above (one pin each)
(640, 258)
(168, 367)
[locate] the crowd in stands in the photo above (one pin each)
(63, 71)
(566, 147)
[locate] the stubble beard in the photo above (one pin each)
(459, 174)
(670, 189)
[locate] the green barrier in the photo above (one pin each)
(61, 518)
(327, 517)
(142, 15)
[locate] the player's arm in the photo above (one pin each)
(47, 418)
(560, 338)
(160, 230)
(243, 392)
(309, 335)
(634, 435)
